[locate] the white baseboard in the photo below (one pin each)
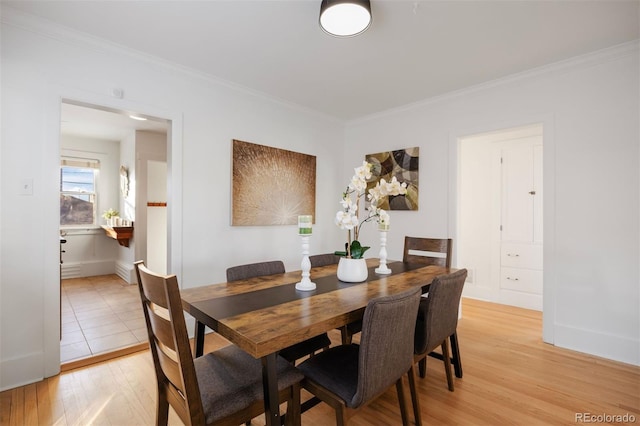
(87, 269)
(126, 271)
(504, 297)
(616, 348)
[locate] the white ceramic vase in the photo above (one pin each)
(352, 270)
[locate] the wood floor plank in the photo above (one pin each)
(17, 408)
(30, 404)
(510, 377)
(5, 407)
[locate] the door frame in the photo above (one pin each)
(56, 95)
(549, 177)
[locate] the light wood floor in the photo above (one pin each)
(510, 377)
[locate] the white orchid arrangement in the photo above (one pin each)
(348, 218)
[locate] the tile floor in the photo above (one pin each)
(99, 314)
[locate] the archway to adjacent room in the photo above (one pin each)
(127, 160)
(500, 212)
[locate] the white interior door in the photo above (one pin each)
(518, 192)
(521, 233)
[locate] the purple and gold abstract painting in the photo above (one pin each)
(403, 164)
(271, 186)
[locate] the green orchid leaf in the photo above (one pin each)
(357, 250)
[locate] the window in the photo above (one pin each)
(78, 192)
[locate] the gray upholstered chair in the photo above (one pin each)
(347, 377)
(221, 387)
(299, 350)
(430, 251)
(324, 259)
(438, 320)
(434, 251)
(243, 272)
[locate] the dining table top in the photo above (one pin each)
(263, 315)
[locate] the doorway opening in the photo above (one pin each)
(500, 195)
(101, 315)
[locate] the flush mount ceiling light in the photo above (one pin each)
(345, 18)
(137, 117)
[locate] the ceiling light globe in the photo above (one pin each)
(345, 18)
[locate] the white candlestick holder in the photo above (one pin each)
(305, 284)
(383, 268)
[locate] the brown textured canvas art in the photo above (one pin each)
(403, 164)
(271, 186)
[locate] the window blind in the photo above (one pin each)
(87, 163)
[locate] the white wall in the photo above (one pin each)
(589, 108)
(42, 64)
(477, 245)
(148, 146)
(156, 216)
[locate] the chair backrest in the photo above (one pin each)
(243, 272)
(169, 343)
(323, 259)
(386, 343)
(441, 311)
(437, 251)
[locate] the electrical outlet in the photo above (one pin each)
(26, 186)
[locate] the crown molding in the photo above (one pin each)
(582, 61)
(45, 28)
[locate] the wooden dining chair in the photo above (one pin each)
(220, 388)
(293, 352)
(430, 251)
(348, 377)
(434, 251)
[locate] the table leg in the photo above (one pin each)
(198, 339)
(270, 387)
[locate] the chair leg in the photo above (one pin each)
(341, 416)
(447, 363)
(414, 395)
(455, 355)
(162, 410)
(422, 367)
(402, 401)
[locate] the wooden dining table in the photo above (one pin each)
(264, 315)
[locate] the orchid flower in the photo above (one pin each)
(348, 218)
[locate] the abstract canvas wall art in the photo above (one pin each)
(403, 164)
(271, 186)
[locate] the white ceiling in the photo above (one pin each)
(414, 50)
(83, 121)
